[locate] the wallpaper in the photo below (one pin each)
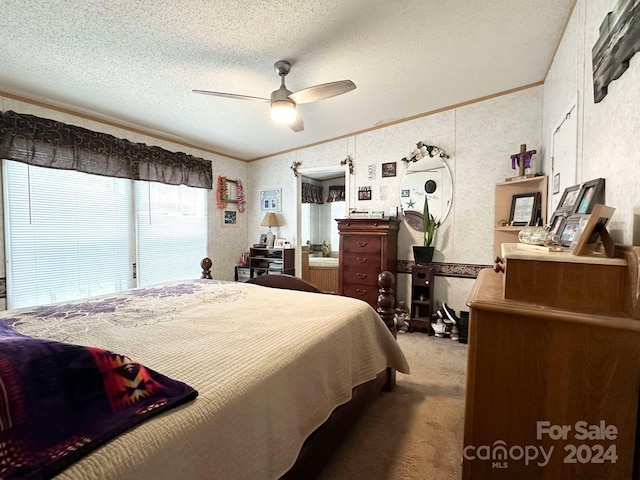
(608, 140)
(479, 138)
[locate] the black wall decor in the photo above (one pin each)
(618, 41)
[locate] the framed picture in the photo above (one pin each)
(591, 193)
(405, 193)
(569, 230)
(594, 230)
(556, 183)
(229, 218)
(364, 193)
(279, 243)
(389, 169)
(568, 200)
(270, 200)
(263, 239)
(524, 209)
(555, 225)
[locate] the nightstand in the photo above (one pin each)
(421, 298)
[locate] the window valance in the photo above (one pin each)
(311, 193)
(48, 143)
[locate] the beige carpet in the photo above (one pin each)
(415, 431)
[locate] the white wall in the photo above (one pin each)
(608, 131)
(479, 137)
(220, 238)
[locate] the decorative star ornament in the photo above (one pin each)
(410, 203)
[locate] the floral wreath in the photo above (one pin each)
(422, 150)
(221, 193)
(242, 202)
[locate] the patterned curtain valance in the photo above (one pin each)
(311, 193)
(47, 143)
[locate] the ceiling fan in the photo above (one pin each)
(283, 101)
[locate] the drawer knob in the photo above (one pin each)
(427, 282)
(361, 292)
(361, 276)
(362, 260)
(362, 244)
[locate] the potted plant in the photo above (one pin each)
(424, 253)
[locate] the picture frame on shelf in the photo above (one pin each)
(278, 243)
(570, 230)
(271, 200)
(555, 225)
(568, 200)
(594, 231)
(591, 193)
(525, 209)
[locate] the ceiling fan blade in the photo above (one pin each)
(322, 91)
(232, 95)
(297, 125)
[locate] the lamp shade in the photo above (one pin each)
(270, 220)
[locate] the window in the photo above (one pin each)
(72, 235)
(172, 231)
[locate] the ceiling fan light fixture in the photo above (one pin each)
(283, 111)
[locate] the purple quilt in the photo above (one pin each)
(60, 401)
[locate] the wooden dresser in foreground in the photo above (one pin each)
(367, 247)
(553, 380)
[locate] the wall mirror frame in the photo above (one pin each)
(428, 177)
(320, 174)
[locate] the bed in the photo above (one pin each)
(279, 374)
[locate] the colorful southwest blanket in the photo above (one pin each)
(60, 401)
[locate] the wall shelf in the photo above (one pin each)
(504, 193)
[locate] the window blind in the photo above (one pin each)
(172, 232)
(72, 235)
(68, 234)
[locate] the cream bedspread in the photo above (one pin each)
(269, 365)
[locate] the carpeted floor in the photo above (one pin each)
(415, 431)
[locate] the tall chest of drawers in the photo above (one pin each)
(367, 247)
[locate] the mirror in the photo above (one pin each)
(430, 177)
(317, 222)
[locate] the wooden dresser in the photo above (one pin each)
(367, 247)
(548, 372)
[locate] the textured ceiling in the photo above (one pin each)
(136, 62)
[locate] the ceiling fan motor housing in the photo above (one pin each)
(282, 67)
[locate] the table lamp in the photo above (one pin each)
(270, 220)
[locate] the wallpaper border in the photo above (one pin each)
(444, 269)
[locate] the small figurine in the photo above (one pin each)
(326, 249)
